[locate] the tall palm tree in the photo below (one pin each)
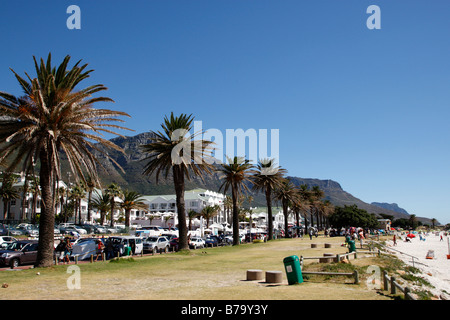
(266, 178)
(90, 186)
(176, 151)
(113, 190)
(287, 194)
(54, 116)
(101, 202)
(227, 206)
(131, 200)
(236, 174)
(77, 193)
(305, 195)
(316, 201)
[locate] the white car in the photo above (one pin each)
(196, 243)
(6, 240)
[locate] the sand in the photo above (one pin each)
(437, 270)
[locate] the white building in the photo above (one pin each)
(15, 205)
(162, 209)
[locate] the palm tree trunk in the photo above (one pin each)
(235, 215)
(269, 213)
(178, 180)
(112, 211)
(47, 219)
(285, 213)
(127, 218)
(89, 206)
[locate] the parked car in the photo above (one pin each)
(99, 229)
(154, 231)
(72, 229)
(173, 244)
(5, 241)
(84, 248)
(120, 242)
(88, 227)
(211, 241)
(196, 243)
(19, 253)
(156, 244)
(3, 229)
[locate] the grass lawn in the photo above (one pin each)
(203, 274)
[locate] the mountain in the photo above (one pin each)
(390, 206)
(133, 163)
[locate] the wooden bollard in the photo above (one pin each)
(333, 257)
(385, 280)
(313, 245)
(274, 276)
(92, 258)
(254, 275)
(393, 288)
(327, 245)
(356, 276)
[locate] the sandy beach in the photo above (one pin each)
(436, 270)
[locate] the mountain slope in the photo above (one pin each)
(133, 163)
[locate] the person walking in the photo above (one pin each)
(67, 247)
(100, 247)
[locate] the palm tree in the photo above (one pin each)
(227, 206)
(54, 116)
(287, 194)
(316, 201)
(305, 196)
(77, 194)
(131, 200)
(8, 192)
(433, 223)
(209, 212)
(267, 177)
(191, 215)
(90, 186)
(113, 190)
(236, 174)
(298, 206)
(101, 202)
(176, 151)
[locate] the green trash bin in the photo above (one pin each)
(351, 246)
(293, 269)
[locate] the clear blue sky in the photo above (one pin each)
(367, 108)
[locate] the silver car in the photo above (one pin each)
(156, 244)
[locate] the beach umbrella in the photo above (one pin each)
(410, 235)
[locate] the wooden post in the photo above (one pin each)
(407, 291)
(356, 276)
(76, 259)
(92, 258)
(338, 258)
(393, 287)
(385, 280)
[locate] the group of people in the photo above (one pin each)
(63, 250)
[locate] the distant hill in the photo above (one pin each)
(390, 206)
(132, 179)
